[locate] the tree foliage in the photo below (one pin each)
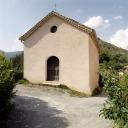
(115, 61)
(17, 64)
(116, 106)
(6, 84)
(111, 56)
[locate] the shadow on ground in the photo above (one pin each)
(34, 113)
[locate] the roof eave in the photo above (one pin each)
(72, 22)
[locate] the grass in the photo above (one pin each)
(73, 92)
(23, 81)
(77, 94)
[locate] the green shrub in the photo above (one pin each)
(74, 93)
(6, 85)
(18, 75)
(104, 57)
(23, 81)
(115, 61)
(17, 64)
(116, 106)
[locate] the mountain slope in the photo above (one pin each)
(1, 51)
(110, 48)
(111, 56)
(13, 54)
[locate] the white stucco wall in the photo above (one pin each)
(93, 65)
(69, 44)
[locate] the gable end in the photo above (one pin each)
(89, 31)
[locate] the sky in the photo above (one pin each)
(108, 17)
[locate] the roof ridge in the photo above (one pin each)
(71, 19)
(72, 22)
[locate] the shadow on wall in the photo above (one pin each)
(34, 113)
(39, 34)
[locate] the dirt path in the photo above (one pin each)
(52, 108)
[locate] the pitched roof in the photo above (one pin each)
(70, 21)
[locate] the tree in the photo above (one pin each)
(104, 57)
(116, 106)
(17, 64)
(6, 85)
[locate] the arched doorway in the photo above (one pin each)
(53, 69)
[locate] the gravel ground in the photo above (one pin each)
(46, 107)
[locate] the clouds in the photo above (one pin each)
(17, 45)
(118, 17)
(97, 22)
(120, 38)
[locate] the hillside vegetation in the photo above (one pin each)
(115, 86)
(11, 54)
(2, 52)
(112, 56)
(107, 47)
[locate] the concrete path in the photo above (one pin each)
(48, 107)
